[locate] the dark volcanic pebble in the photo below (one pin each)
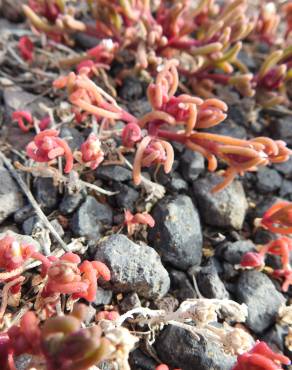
(192, 164)
(282, 129)
(268, 180)
(72, 136)
(232, 252)
(116, 173)
(285, 168)
(263, 300)
(134, 268)
(90, 217)
(139, 361)
(131, 89)
(225, 208)
(46, 193)
(70, 203)
(23, 213)
(11, 198)
(126, 197)
(180, 285)
(177, 234)
(179, 348)
(209, 283)
(286, 189)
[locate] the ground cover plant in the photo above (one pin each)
(146, 185)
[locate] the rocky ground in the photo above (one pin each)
(197, 235)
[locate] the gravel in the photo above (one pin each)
(232, 252)
(46, 193)
(177, 234)
(179, 348)
(11, 198)
(89, 219)
(70, 202)
(115, 173)
(209, 283)
(134, 268)
(192, 164)
(268, 180)
(226, 208)
(257, 291)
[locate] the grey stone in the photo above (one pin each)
(89, 218)
(177, 234)
(46, 193)
(116, 173)
(126, 197)
(134, 268)
(285, 168)
(286, 189)
(130, 301)
(263, 300)
(268, 180)
(72, 136)
(177, 183)
(23, 213)
(131, 89)
(103, 297)
(22, 362)
(139, 361)
(232, 252)
(139, 107)
(282, 129)
(181, 349)
(180, 286)
(225, 208)
(210, 284)
(70, 203)
(11, 198)
(192, 164)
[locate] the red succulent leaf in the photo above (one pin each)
(26, 48)
(47, 146)
(24, 120)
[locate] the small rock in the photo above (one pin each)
(70, 203)
(275, 337)
(72, 136)
(88, 219)
(286, 189)
(177, 183)
(116, 173)
(126, 197)
(103, 297)
(263, 300)
(46, 193)
(192, 164)
(22, 239)
(139, 361)
(268, 180)
(232, 252)
(285, 168)
(133, 267)
(282, 129)
(181, 349)
(131, 89)
(139, 107)
(210, 284)
(11, 198)
(180, 286)
(29, 224)
(130, 301)
(177, 234)
(225, 208)
(23, 213)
